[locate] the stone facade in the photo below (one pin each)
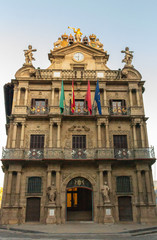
(111, 168)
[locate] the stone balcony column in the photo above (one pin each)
(130, 97)
(22, 135)
(58, 134)
(107, 135)
(48, 178)
(139, 179)
(26, 96)
(18, 95)
(134, 135)
(148, 186)
(52, 96)
(14, 97)
(99, 134)
(146, 135)
(109, 178)
(105, 98)
(142, 134)
(18, 181)
(50, 134)
(58, 180)
(14, 135)
(138, 97)
(9, 182)
(9, 137)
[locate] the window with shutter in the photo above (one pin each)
(123, 184)
(39, 106)
(37, 142)
(118, 107)
(34, 185)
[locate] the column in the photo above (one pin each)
(152, 187)
(101, 179)
(58, 134)
(146, 135)
(22, 135)
(18, 95)
(26, 96)
(52, 96)
(148, 186)
(50, 134)
(14, 98)
(8, 138)
(134, 135)
(109, 176)
(58, 196)
(138, 97)
(48, 178)
(105, 103)
(142, 135)
(130, 96)
(107, 135)
(99, 134)
(9, 182)
(18, 181)
(139, 179)
(14, 135)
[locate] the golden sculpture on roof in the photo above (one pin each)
(78, 33)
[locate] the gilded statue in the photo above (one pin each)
(29, 55)
(128, 56)
(105, 193)
(78, 34)
(57, 44)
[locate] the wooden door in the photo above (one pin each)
(33, 210)
(125, 208)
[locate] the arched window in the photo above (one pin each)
(34, 185)
(123, 184)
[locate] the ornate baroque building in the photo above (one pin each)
(64, 164)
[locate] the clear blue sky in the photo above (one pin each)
(117, 23)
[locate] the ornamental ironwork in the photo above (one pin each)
(79, 182)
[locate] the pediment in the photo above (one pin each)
(131, 73)
(61, 52)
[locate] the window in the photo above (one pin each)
(118, 107)
(39, 106)
(120, 146)
(79, 141)
(80, 107)
(123, 184)
(37, 142)
(34, 185)
(79, 146)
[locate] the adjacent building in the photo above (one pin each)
(67, 156)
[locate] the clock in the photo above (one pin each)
(78, 57)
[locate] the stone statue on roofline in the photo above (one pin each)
(128, 57)
(29, 55)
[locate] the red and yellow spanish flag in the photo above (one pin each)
(88, 99)
(73, 99)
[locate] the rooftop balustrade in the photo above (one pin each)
(70, 154)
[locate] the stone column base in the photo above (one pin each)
(51, 214)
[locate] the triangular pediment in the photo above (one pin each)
(78, 47)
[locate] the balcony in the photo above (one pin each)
(79, 111)
(77, 74)
(70, 154)
(120, 111)
(40, 110)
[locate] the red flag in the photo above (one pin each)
(88, 99)
(73, 99)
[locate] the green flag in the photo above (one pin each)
(62, 98)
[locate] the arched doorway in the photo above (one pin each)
(79, 200)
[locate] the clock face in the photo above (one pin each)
(78, 57)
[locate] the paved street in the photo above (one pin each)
(79, 232)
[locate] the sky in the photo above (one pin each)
(117, 23)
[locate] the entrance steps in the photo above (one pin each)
(79, 215)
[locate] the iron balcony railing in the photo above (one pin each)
(67, 153)
(79, 111)
(121, 111)
(40, 110)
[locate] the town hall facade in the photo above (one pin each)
(77, 146)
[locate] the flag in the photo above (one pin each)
(62, 98)
(73, 99)
(97, 97)
(88, 99)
